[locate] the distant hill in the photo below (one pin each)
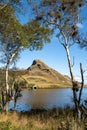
(40, 75)
(43, 76)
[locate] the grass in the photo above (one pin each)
(42, 76)
(56, 119)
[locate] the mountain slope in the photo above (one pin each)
(43, 76)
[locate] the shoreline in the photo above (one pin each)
(49, 88)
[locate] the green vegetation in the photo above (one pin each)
(56, 119)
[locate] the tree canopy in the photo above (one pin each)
(62, 15)
(15, 37)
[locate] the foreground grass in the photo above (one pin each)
(56, 119)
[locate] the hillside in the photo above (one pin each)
(38, 74)
(43, 76)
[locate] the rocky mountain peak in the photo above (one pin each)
(44, 76)
(34, 62)
(37, 64)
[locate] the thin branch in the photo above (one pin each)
(14, 54)
(2, 7)
(59, 27)
(73, 62)
(82, 84)
(62, 43)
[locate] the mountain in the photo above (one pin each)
(43, 76)
(38, 74)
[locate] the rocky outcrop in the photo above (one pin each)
(42, 75)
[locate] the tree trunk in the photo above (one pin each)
(6, 78)
(7, 85)
(82, 83)
(7, 88)
(2, 100)
(7, 67)
(72, 80)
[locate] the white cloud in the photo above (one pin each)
(78, 78)
(79, 25)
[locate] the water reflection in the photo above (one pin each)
(44, 99)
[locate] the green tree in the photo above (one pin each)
(63, 17)
(15, 37)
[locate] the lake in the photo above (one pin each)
(45, 99)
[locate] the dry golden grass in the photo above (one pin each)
(57, 119)
(42, 76)
(14, 118)
(45, 81)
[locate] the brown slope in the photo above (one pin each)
(45, 77)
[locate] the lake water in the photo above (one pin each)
(45, 99)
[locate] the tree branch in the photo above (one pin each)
(60, 40)
(2, 7)
(73, 62)
(14, 54)
(82, 83)
(59, 27)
